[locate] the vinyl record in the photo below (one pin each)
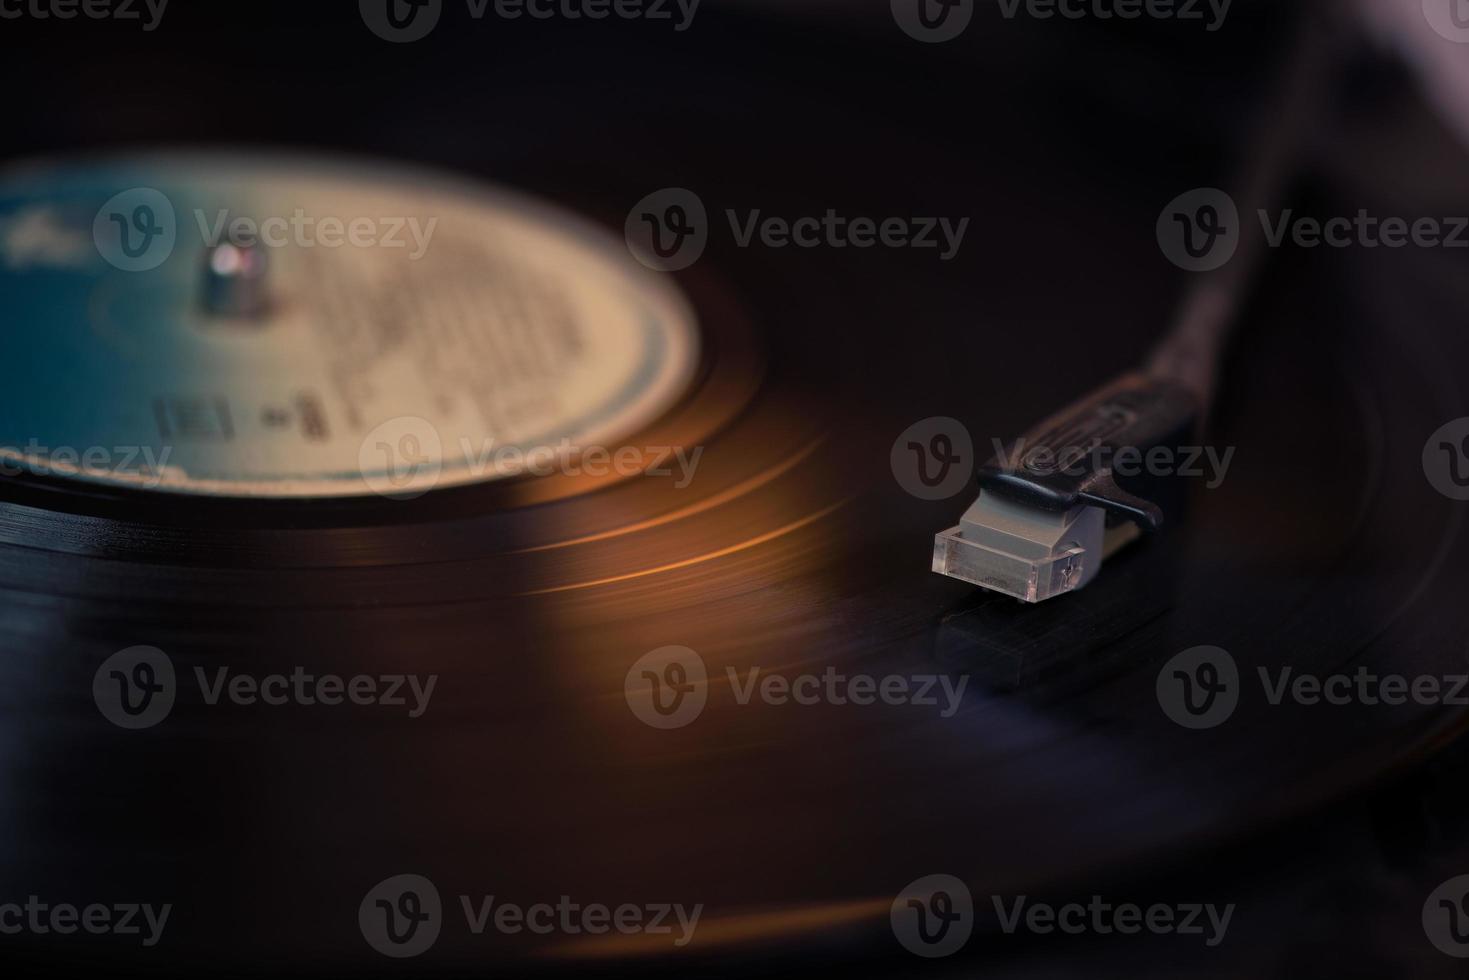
(355, 593)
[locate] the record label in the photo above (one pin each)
(290, 328)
